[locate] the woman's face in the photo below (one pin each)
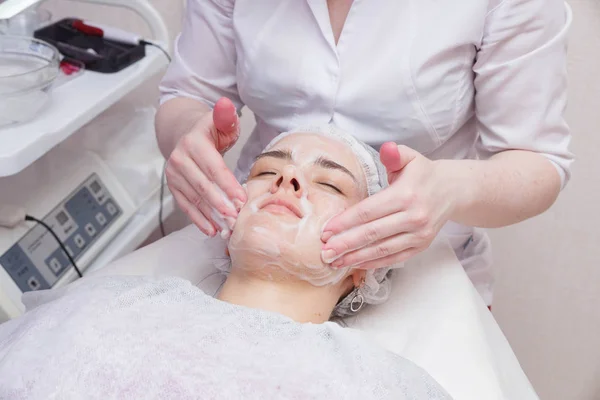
(293, 190)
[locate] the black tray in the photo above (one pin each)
(110, 56)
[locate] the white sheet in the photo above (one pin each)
(87, 341)
(434, 317)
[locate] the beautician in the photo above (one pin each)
(472, 94)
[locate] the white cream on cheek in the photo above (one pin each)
(278, 249)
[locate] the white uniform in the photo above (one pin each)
(451, 79)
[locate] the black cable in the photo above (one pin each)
(147, 43)
(162, 178)
(161, 200)
(60, 243)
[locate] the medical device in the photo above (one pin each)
(107, 32)
(77, 196)
(99, 196)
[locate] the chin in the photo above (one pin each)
(267, 253)
(282, 247)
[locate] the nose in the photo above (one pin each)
(289, 180)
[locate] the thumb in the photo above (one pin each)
(225, 117)
(395, 158)
(226, 123)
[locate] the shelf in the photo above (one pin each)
(141, 225)
(73, 105)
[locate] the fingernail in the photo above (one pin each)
(225, 234)
(326, 236)
(328, 256)
(339, 263)
(230, 211)
(230, 222)
(212, 229)
(238, 204)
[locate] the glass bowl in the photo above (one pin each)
(26, 22)
(28, 68)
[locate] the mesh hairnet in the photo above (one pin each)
(377, 286)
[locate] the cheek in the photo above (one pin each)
(326, 206)
(257, 187)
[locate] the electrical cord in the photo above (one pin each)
(161, 223)
(148, 43)
(60, 243)
(161, 200)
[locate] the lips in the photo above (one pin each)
(277, 202)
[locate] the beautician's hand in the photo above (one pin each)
(196, 165)
(396, 223)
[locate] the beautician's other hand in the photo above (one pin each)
(396, 223)
(196, 165)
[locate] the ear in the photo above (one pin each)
(358, 277)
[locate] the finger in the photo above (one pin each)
(395, 158)
(212, 165)
(392, 260)
(205, 189)
(370, 209)
(178, 183)
(225, 116)
(364, 235)
(378, 250)
(390, 157)
(196, 216)
(226, 123)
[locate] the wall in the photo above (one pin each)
(548, 273)
(548, 268)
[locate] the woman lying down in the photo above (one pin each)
(265, 336)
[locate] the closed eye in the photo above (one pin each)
(331, 187)
(266, 173)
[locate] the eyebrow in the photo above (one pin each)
(320, 162)
(329, 164)
(281, 154)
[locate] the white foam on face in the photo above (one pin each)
(225, 224)
(281, 239)
(219, 219)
